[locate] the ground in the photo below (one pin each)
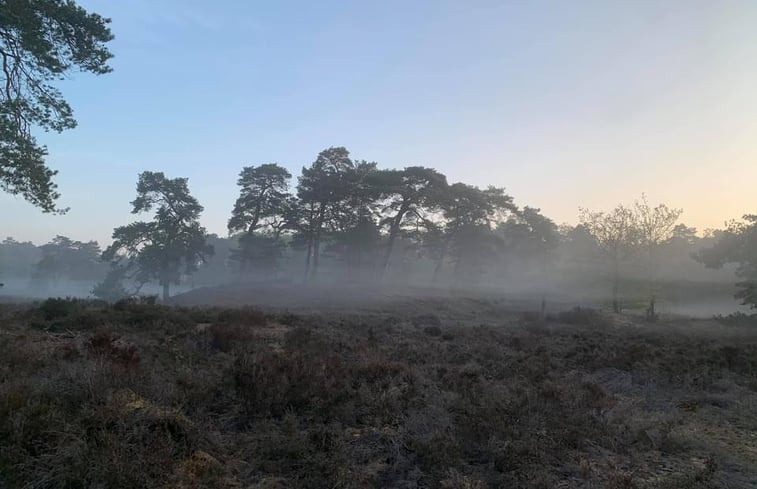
(451, 392)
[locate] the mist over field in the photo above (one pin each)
(429, 244)
(564, 268)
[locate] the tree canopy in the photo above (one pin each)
(41, 41)
(65, 258)
(407, 198)
(737, 244)
(262, 192)
(171, 244)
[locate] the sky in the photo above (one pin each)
(565, 104)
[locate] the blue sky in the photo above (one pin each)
(566, 104)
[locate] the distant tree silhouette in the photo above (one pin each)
(305, 219)
(217, 269)
(173, 243)
(321, 191)
(466, 232)
(41, 41)
(529, 234)
(353, 230)
(259, 213)
(112, 287)
(17, 259)
(258, 252)
(617, 237)
(263, 190)
(532, 239)
(408, 197)
(685, 234)
(655, 226)
(737, 244)
(67, 259)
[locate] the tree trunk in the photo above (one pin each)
(458, 266)
(651, 314)
(650, 284)
(387, 254)
(316, 258)
(307, 261)
(393, 232)
(358, 264)
(166, 291)
(615, 289)
(544, 283)
(440, 262)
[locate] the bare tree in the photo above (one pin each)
(616, 235)
(656, 226)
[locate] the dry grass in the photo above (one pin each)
(140, 395)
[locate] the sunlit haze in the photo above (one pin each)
(565, 104)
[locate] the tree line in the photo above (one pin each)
(374, 225)
(349, 209)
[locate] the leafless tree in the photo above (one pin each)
(655, 226)
(617, 237)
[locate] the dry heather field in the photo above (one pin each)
(449, 393)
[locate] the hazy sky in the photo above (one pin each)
(564, 103)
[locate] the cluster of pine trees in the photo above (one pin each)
(348, 209)
(370, 225)
(376, 224)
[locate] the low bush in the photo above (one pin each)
(738, 319)
(582, 316)
(433, 330)
(59, 308)
(270, 384)
(227, 337)
(426, 320)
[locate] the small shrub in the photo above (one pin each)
(582, 316)
(242, 316)
(128, 303)
(456, 480)
(140, 313)
(59, 308)
(118, 350)
(433, 330)
(738, 319)
(272, 383)
(226, 337)
(288, 319)
(532, 316)
(426, 320)
(303, 338)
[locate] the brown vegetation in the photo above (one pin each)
(141, 395)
